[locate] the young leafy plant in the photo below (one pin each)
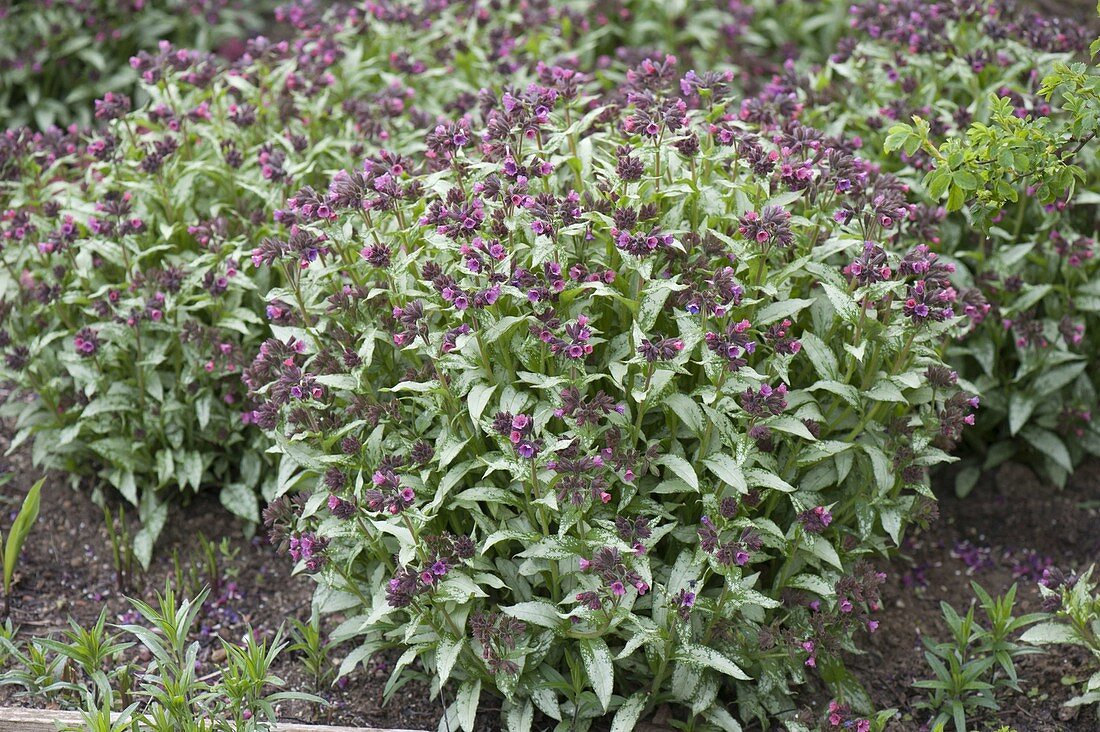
(17, 536)
(122, 548)
(168, 695)
(314, 652)
(977, 662)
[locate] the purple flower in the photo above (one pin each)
(765, 400)
(769, 227)
(86, 342)
(816, 519)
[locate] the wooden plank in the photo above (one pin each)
(14, 719)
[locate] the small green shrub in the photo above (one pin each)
(978, 663)
(87, 668)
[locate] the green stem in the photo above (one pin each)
(785, 572)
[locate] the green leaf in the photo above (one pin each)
(812, 583)
(498, 329)
(767, 479)
(520, 716)
(698, 655)
(598, 667)
(653, 301)
(241, 500)
(891, 521)
(780, 309)
(449, 448)
(1032, 294)
(153, 516)
(478, 399)
(687, 410)
(965, 179)
(885, 391)
(822, 549)
(791, 426)
(956, 198)
(680, 468)
(446, 653)
(1045, 633)
(1048, 444)
(842, 302)
(897, 136)
(20, 529)
(469, 694)
(966, 480)
(189, 469)
(722, 718)
(535, 612)
(1020, 407)
(728, 471)
(821, 356)
(1054, 379)
(937, 182)
(202, 410)
(626, 718)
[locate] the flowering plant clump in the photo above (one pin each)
(57, 56)
(1007, 139)
(596, 389)
(128, 311)
(586, 351)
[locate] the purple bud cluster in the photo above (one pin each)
(765, 401)
(770, 227)
(310, 549)
(498, 635)
(609, 565)
(519, 430)
(388, 494)
(728, 553)
(733, 346)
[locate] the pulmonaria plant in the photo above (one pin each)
(597, 420)
(1074, 602)
(57, 57)
(128, 312)
(1024, 166)
(594, 376)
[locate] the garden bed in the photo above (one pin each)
(597, 355)
(1007, 531)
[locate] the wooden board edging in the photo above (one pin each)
(17, 719)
